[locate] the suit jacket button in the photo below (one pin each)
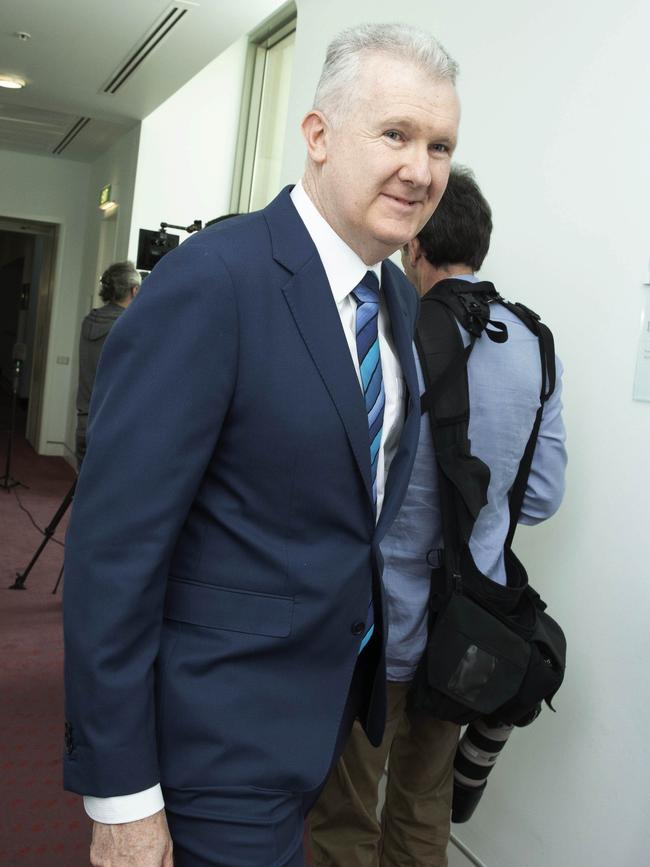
(69, 744)
(357, 627)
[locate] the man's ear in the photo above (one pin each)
(413, 252)
(315, 130)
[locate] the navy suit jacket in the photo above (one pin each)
(222, 548)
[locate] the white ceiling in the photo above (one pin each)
(76, 46)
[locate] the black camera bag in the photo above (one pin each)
(492, 650)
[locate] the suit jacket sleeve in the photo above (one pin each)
(162, 392)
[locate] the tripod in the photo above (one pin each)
(21, 577)
(7, 481)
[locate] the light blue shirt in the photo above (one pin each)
(504, 387)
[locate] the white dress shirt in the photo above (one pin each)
(344, 271)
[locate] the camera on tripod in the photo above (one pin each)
(156, 243)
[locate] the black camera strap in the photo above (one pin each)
(547, 362)
(464, 479)
(491, 649)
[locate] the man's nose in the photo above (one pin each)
(417, 167)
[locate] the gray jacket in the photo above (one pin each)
(94, 331)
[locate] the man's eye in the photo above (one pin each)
(393, 134)
(440, 148)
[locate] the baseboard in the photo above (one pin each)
(60, 449)
(471, 857)
(70, 459)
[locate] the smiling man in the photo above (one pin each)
(224, 612)
(379, 152)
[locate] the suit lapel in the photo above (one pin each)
(316, 316)
(401, 329)
(401, 465)
(309, 298)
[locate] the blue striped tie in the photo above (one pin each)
(366, 295)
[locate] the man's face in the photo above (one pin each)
(386, 165)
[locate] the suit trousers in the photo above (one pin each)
(252, 827)
(416, 818)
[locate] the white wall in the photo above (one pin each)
(54, 191)
(556, 126)
(117, 167)
(187, 149)
(66, 193)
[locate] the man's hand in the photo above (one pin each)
(145, 843)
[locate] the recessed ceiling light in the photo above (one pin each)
(13, 82)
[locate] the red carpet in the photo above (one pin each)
(40, 824)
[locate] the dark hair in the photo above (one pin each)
(118, 280)
(459, 230)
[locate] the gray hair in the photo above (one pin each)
(118, 280)
(335, 90)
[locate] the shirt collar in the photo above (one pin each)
(343, 268)
(471, 278)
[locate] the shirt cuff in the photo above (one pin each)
(125, 808)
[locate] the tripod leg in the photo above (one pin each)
(21, 577)
(58, 581)
(8, 482)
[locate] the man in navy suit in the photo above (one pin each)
(223, 607)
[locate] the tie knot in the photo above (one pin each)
(368, 289)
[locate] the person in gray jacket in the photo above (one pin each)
(120, 284)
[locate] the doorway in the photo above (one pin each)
(27, 252)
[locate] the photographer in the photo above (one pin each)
(504, 387)
(120, 283)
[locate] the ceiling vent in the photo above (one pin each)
(160, 29)
(71, 134)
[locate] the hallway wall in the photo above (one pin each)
(53, 190)
(187, 149)
(556, 126)
(117, 167)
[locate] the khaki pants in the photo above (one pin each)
(416, 819)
